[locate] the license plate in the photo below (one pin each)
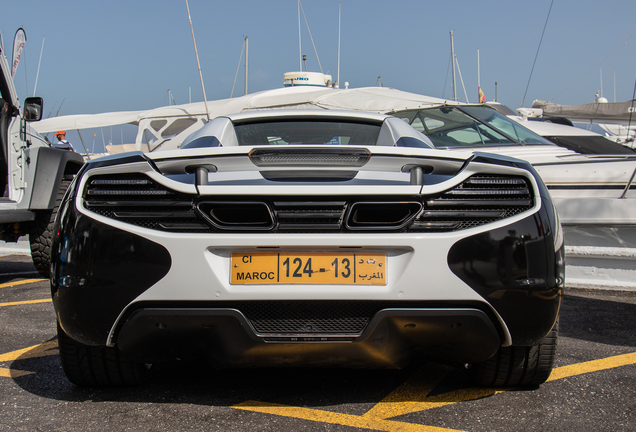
(308, 268)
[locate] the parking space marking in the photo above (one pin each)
(41, 350)
(413, 396)
(410, 397)
(20, 282)
(593, 366)
(337, 418)
(25, 302)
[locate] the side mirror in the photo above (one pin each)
(33, 108)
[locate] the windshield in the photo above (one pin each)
(307, 132)
(505, 124)
(453, 127)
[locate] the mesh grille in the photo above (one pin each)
(308, 317)
(138, 200)
(343, 317)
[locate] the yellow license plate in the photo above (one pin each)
(308, 268)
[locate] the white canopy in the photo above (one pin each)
(373, 99)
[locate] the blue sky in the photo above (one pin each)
(117, 56)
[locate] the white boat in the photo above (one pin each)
(617, 119)
(594, 193)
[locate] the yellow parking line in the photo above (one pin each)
(40, 350)
(20, 282)
(25, 302)
(412, 396)
(592, 366)
(337, 418)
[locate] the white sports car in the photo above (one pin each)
(293, 237)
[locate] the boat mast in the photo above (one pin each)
(39, 63)
(205, 100)
(453, 60)
(478, 78)
(246, 57)
(339, 23)
(300, 46)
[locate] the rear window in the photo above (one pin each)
(307, 132)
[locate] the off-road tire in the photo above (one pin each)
(517, 366)
(41, 235)
(97, 366)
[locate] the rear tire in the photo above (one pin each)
(519, 366)
(97, 366)
(41, 236)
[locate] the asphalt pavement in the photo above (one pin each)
(593, 386)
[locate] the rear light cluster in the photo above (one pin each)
(138, 200)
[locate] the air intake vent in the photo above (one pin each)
(304, 216)
(477, 201)
(137, 200)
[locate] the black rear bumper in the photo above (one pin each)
(227, 337)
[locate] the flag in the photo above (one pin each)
(18, 46)
(482, 96)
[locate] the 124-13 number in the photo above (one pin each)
(342, 268)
